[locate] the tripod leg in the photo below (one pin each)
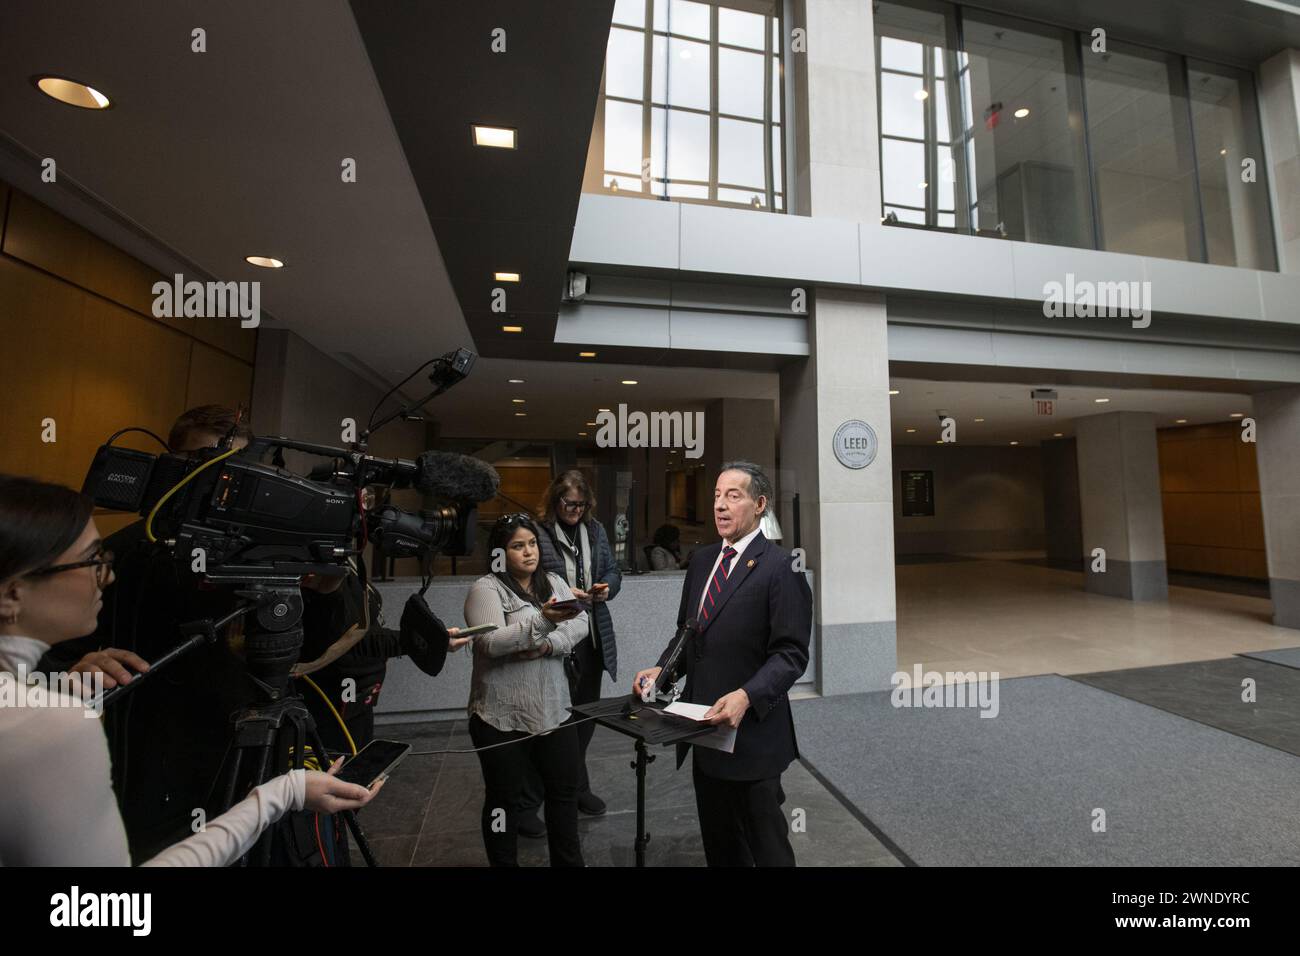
(642, 838)
(232, 780)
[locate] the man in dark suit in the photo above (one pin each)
(755, 613)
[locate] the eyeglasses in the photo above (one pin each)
(573, 505)
(101, 562)
(514, 520)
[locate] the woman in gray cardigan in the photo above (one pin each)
(519, 690)
(574, 545)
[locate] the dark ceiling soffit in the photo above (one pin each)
(20, 167)
(494, 209)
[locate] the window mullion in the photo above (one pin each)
(713, 102)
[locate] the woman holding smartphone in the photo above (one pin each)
(58, 804)
(574, 545)
(519, 691)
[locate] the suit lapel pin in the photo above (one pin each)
(749, 563)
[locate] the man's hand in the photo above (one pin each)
(650, 673)
(109, 662)
(600, 592)
(729, 709)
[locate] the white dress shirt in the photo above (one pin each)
(740, 547)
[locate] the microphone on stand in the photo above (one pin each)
(684, 635)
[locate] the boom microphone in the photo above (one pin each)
(459, 477)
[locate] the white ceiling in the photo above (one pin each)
(1010, 415)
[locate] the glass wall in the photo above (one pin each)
(692, 102)
(1229, 150)
(1139, 132)
(1001, 127)
(1025, 154)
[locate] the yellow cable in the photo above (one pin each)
(148, 524)
(330, 704)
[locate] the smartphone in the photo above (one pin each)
(573, 604)
(376, 759)
(476, 629)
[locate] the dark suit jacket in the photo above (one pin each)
(605, 569)
(756, 639)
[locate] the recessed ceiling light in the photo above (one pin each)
(629, 381)
(520, 414)
(514, 381)
(591, 423)
(1223, 152)
(938, 441)
(517, 401)
(512, 328)
(586, 355)
(920, 94)
(72, 93)
(495, 136)
(266, 262)
(582, 434)
(979, 419)
(506, 276)
(1015, 443)
(1101, 401)
(1180, 421)
(911, 431)
(1021, 113)
(1236, 415)
(1058, 434)
(893, 391)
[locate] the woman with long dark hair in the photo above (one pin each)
(519, 695)
(58, 804)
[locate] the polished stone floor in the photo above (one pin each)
(428, 812)
(999, 613)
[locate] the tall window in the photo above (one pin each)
(1001, 127)
(1226, 128)
(692, 104)
(921, 125)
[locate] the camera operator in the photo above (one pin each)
(169, 739)
(352, 681)
(58, 806)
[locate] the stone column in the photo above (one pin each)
(847, 514)
(836, 170)
(1277, 450)
(1119, 500)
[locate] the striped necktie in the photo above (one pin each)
(719, 579)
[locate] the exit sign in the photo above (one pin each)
(1044, 406)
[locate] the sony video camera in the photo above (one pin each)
(241, 519)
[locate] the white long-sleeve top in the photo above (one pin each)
(57, 806)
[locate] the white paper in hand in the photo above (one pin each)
(722, 738)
